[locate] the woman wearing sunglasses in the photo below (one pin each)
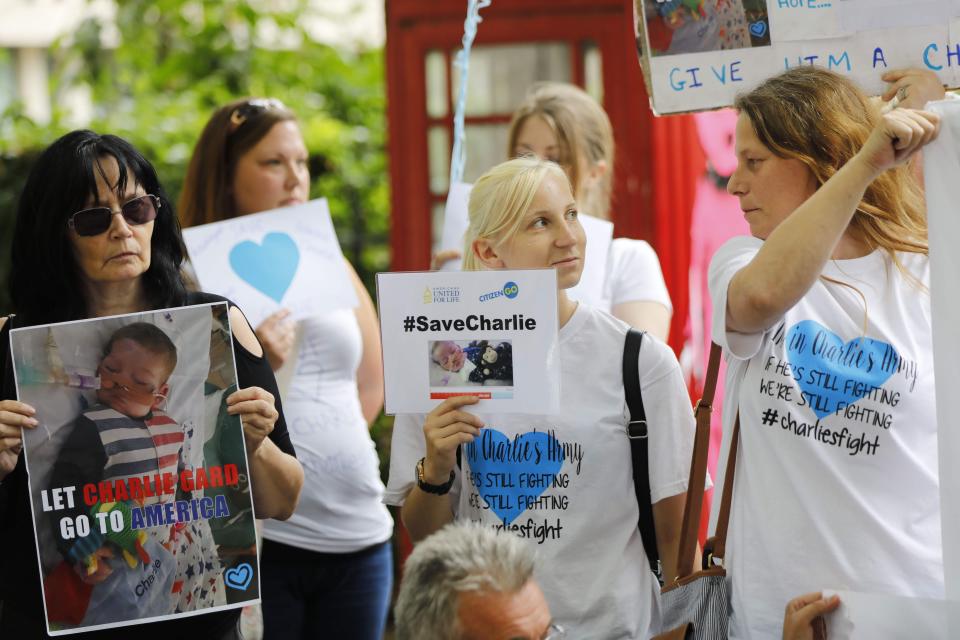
(327, 571)
(96, 236)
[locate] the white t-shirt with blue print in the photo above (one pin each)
(565, 482)
(836, 481)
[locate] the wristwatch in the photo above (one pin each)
(436, 489)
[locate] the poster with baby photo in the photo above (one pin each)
(138, 476)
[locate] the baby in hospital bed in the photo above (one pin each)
(126, 436)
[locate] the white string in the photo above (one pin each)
(462, 62)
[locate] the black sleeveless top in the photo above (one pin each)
(22, 614)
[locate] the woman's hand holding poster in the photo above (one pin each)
(491, 334)
(138, 475)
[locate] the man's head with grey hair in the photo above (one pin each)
(467, 581)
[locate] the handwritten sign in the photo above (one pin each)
(696, 59)
(491, 334)
(285, 258)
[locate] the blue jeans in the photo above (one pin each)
(313, 595)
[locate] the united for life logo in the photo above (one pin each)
(438, 295)
(510, 290)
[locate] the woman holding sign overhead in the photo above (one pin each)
(824, 315)
(327, 571)
(579, 509)
(95, 236)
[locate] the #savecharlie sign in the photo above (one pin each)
(287, 257)
(698, 54)
(138, 475)
(491, 334)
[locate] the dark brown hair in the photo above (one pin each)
(207, 195)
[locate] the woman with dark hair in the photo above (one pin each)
(95, 235)
(327, 571)
(824, 315)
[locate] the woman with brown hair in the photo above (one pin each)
(825, 318)
(327, 572)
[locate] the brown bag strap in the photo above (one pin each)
(698, 469)
(723, 518)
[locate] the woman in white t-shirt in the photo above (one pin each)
(825, 319)
(326, 571)
(575, 501)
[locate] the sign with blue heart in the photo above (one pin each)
(285, 258)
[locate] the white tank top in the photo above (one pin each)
(340, 508)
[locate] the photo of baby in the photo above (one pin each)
(463, 363)
(134, 473)
(695, 26)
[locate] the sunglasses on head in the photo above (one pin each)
(250, 108)
(93, 222)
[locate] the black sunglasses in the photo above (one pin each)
(93, 222)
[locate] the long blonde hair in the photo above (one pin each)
(822, 119)
(500, 198)
(582, 129)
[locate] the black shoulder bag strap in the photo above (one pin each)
(637, 435)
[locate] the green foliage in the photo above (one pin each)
(176, 61)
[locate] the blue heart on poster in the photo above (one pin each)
(239, 577)
(835, 371)
(758, 29)
(268, 267)
(506, 482)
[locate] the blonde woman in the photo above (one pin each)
(592, 565)
(825, 319)
(562, 123)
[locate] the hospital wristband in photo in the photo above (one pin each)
(435, 489)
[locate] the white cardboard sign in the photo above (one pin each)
(697, 59)
(491, 334)
(941, 165)
(284, 258)
(590, 289)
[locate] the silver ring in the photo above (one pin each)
(902, 93)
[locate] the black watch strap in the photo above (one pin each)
(436, 489)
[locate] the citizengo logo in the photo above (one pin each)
(510, 290)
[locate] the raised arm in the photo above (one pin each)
(795, 252)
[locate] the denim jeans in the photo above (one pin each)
(314, 595)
